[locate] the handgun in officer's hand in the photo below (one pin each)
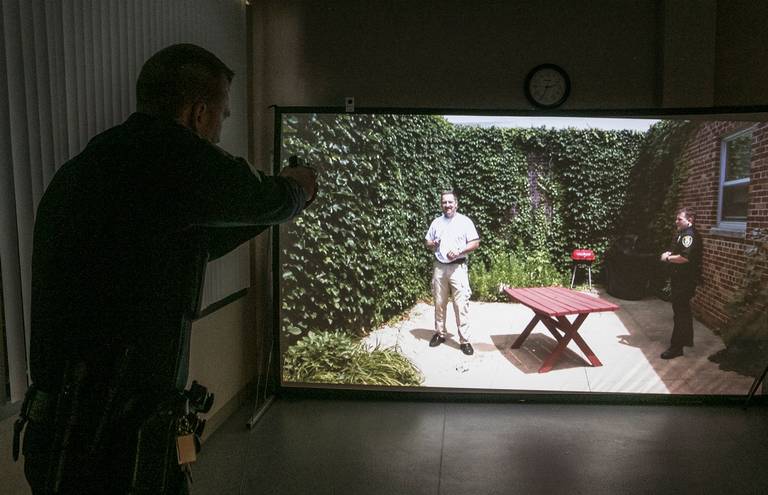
(304, 175)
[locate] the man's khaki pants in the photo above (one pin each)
(451, 282)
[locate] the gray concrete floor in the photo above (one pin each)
(370, 447)
(343, 447)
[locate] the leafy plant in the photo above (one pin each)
(745, 333)
(513, 270)
(654, 185)
(337, 357)
(748, 309)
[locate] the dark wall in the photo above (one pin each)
(475, 54)
(457, 53)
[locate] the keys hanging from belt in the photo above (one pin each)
(189, 428)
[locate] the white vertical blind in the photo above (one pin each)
(67, 72)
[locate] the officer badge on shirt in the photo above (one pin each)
(687, 240)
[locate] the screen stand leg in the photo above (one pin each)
(258, 413)
(755, 386)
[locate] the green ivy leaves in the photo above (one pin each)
(356, 258)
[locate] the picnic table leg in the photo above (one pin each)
(570, 332)
(562, 342)
(519, 341)
(577, 338)
(552, 327)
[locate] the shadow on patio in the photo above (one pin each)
(628, 342)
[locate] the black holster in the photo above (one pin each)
(154, 467)
(155, 462)
(52, 439)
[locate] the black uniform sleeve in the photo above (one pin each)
(688, 245)
(212, 188)
(224, 191)
(185, 182)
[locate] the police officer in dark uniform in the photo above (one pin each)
(122, 238)
(684, 256)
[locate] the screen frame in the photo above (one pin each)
(374, 392)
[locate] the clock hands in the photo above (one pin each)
(547, 86)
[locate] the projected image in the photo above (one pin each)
(526, 254)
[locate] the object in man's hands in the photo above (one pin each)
(296, 161)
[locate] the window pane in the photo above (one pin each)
(735, 200)
(738, 156)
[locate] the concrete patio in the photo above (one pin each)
(628, 342)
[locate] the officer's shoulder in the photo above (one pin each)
(688, 237)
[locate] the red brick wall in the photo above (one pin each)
(724, 255)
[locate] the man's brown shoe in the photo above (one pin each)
(437, 339)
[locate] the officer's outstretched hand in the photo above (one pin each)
(307, 179)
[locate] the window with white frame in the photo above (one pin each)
(735, 159)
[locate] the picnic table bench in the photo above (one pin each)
(551, 306)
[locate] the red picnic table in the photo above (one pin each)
(551, 305)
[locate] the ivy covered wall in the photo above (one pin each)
(356, 257)
(655, 184)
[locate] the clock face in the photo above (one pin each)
(547, 86)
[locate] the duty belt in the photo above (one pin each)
(38, 408)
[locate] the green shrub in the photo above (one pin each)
(337, 357)
(533, 270)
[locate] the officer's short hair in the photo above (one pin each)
(443, 193)
(689, 213)
(179, 75)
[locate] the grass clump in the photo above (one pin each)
(337, 357)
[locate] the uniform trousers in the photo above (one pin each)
(450, 282)
(682, 331)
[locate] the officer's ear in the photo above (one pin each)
(192, 116)
(198, 112)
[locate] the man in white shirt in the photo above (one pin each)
(451, 237)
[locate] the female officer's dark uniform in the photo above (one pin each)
(685, 277)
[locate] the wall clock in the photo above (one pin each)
(547, 86)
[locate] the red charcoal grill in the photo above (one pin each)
(582, 258)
